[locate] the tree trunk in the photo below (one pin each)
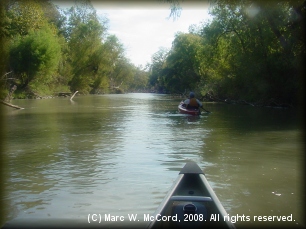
(8, 98)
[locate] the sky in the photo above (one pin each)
(144, 26)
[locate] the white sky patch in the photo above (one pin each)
(144, 26)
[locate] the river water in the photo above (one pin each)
(119, 155)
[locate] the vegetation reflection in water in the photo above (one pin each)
(119, 154)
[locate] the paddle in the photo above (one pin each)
(205, 110)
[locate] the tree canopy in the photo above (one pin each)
(52, 50)
(251, 51)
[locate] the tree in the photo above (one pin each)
(25, 16)
(35, 57)
(182, 68)
(122, 75)
(158, 61)
(4, 41)
(49, 49)
(140, 80)
(84, 35)
(251, 50)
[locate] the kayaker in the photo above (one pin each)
(192, 102)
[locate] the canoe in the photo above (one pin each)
(190, 203)
(184, 110)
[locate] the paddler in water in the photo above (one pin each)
(192, 102)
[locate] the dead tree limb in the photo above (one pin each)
(73, 95)
(10, 94)
(10, 105)
(7, 73)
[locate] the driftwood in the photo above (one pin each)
(11, 105)
(9, 98)
(73, 95)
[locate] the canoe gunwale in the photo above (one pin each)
(184, 110)
(191, 171)
(166, 199)
(216, 200)
(213, 196)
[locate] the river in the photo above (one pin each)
(119, 155)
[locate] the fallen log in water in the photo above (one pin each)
(11, 105)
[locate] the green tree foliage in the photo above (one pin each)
(34, 49)
(181, 71)
(25, 16)
(155, 78)
(35, 57)
(140, 80)
(97, 60)
(49, 49)
(122, 74)
(84, 42)
(258, 49)
(4, 41)
(112, 60)
(251, 50)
